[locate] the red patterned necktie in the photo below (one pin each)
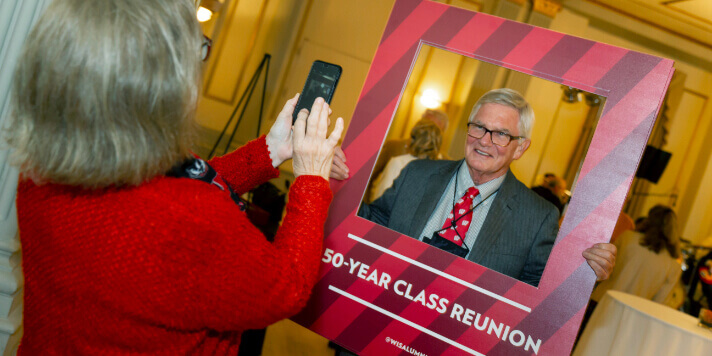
(462, 207)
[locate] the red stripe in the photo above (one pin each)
(369, 141)
(476, 32)
(594, 65)
(444, 288)
(401, 11)
(398, 43)
(417, 314)
(532, 49)
(363, 289)
(389, 300)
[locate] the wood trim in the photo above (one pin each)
(547, 7)
(405, 130)
(685, 13)
(695, 132)
(476, 4)
(693, 184)
(650, 23)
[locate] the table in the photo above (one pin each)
(625, 324)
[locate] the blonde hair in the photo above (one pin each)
(439, 117)
(425, 139)
(105, 92)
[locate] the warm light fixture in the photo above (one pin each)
(204, 14)
(430, 99)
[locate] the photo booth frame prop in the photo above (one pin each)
(380, 292)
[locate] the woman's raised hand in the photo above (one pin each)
(279, 139)
(313, 150)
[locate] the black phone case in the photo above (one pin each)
(318, 69)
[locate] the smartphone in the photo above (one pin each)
(321, 82)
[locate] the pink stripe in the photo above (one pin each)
(623, 118)
(594, 64)
(397, 44)
(561, 340)
(474, 33)
(566, 256)
(368, 141)
(532, 49)
(599, 224)
(596, 227)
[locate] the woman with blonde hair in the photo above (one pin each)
(131, 245)
(425, 141)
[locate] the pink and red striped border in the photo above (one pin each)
(371, 320)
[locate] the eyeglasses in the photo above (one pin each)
(205, 48)
(498, 138)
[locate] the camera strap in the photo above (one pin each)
(197, 169)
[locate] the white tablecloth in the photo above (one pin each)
(625, 324)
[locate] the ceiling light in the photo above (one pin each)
(204, 14)
(430, 99)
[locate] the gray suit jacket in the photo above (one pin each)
(516, 237)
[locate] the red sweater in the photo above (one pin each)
(170, 267)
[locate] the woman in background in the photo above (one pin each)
(130, 244)
(425, 141)
(647, 263)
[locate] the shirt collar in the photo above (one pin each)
(464, 181)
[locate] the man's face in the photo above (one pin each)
(486, 160)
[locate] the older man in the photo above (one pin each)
(476, 208)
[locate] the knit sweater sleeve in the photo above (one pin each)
(247, 166)
(238, 280)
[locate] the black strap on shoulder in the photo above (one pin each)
(196, 168)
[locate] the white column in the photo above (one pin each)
(16, 20)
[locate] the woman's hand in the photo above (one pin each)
(313, 151)
(279, 138)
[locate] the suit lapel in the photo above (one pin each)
(500, 213)
(433, 188)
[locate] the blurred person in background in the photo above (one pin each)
(647, 264)
(131, 245)
(396, 147)
(425, 141)
(553, 189)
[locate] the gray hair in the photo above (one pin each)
(105, 92)
(512, 99)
